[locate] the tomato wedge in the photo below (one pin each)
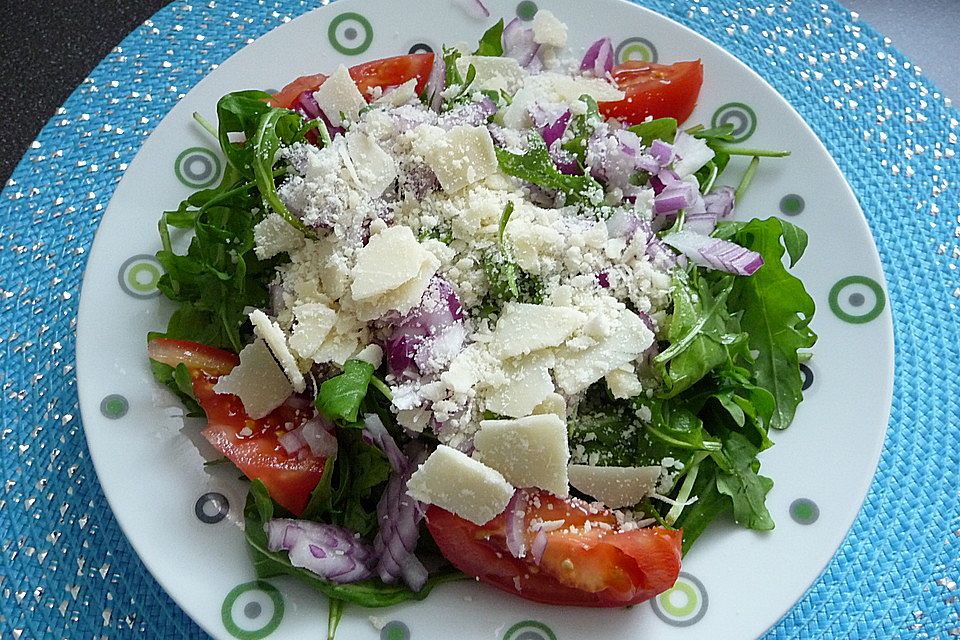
(588, 560)
(655, 90)
(252, 445)
(384, 73)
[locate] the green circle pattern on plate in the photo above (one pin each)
(849, 299)
(637, 49)
(529, 630)
(350, 33)
(114, 406)
(804, 511)
(252, 610)
(792, 205)
(395, 630)
(526, 10)
(684, 604)
(139, 275)
(198, 167)
(741, 116)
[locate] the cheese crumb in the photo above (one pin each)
(459, 157)
(547, 29)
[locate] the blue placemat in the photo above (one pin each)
(67, 571)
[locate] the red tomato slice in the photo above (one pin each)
(600, 565)
(286, 97)
(252, 445)
(655, 90)
(385, 73)
(392, 72)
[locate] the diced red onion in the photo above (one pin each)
(679, 195)
(550, 126)
(598, 59)
(474, 8)
(439, 308)
(376, 434)
(518, 43)
(538, 546)
(603, 279)
(436, 83)
(515, 514)
(622, 224)
(661, 151)
(333, 553)
(399, 516)
(658, 251)
(720, 201)
(318, 435)
(307, 105)
(292, 441)
(690, 154)
(714, 253)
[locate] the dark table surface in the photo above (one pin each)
(48, 47)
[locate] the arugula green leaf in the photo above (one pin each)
(660, 129)
(775, 311)
(491, 43)
(537, 167)
(177, 379)
(702, 333)
(340, 396)
(710, 505)
(737, 478)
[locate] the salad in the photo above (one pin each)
(484, 314)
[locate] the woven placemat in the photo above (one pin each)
(66, 569)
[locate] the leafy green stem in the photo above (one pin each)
(334, 614)
(747, 177)
(206, 124)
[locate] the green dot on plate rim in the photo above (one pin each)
(526, 10)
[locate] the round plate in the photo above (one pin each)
(185, 520)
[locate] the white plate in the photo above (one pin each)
(185, 520)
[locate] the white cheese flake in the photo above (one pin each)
(524, 328)
(493, 73)
(459, 157)
(339, 95)
(314, 321)
(271, 333)
(375, 168)
(615, 487)
(258, 381)
(578, 369)
(529, 452)
(392, 272)
(454, 481)
(527, 383)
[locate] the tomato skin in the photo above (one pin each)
(655, 90)
(384, 73)
(391, 72)
(595, 568)
(194, 355)
(252, 445)
(286, 97)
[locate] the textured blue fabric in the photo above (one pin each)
(66, 570)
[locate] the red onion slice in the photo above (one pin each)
(474, 8)
(333, 553)
(714, 253)
(400, 517)
(598, 59)
(515, 513)
(518, 43)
